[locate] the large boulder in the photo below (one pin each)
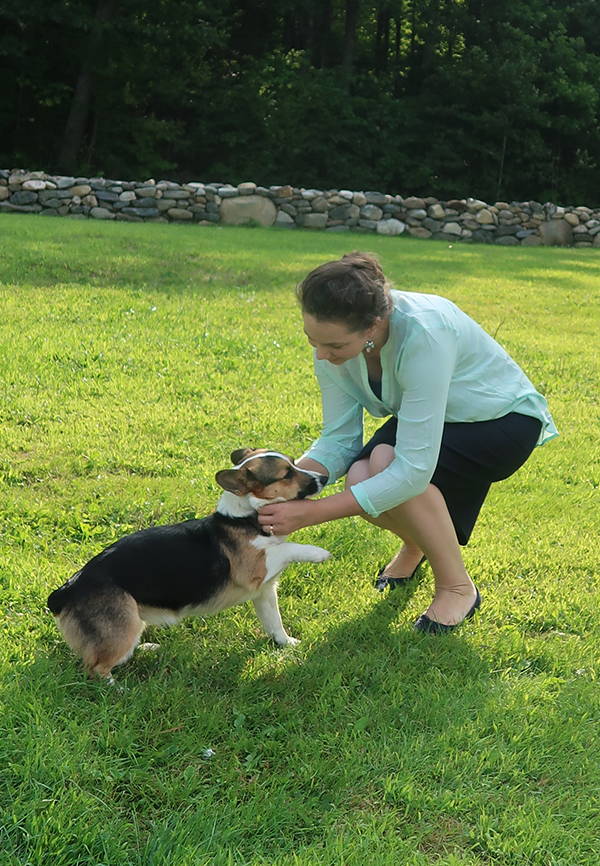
(26, 197)
(315, 220)
(176, 213)
(556, 233)
(452, 229)
(284, 220)
(244, 208)
(390, 227)
(435, 211)
(485, 217)
(414, 203)
(371, 212)
(377, 198)
(101, 213)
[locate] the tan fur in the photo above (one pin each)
(118, 628)
(248, 567)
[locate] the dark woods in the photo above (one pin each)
(497, 100)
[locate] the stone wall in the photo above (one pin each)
(468, 220)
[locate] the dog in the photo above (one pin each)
(196, 568)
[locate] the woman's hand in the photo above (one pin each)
(283, 518)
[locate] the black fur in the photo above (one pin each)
(163, 566)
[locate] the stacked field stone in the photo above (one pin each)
(468, 220)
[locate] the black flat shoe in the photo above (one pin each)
(382, 581)
(431, 626)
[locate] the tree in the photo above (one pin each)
(444, 97)
(80, 104)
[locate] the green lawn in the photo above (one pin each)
(134, 358)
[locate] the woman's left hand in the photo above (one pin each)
(283, 518)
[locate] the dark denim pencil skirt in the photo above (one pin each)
(472, 456)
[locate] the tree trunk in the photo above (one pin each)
(80, 104)
(398, 43)
(349, 36)
(397, 52)
(322, 34)
(288, 32)
(411, 55)
(431, 37)
(383, 40)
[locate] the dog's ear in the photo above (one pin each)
(238, 481)
(242, 453)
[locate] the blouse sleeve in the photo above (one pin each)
(424, 371)
(342, 435)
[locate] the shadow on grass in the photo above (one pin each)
(174, 259)
(373, 734)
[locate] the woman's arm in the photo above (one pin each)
(342, 432)
(287, 517)
(424, 374)
(311, 465)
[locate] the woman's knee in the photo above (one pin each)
(380, 458)
(358, 472)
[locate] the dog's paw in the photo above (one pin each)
(149, 647)
(318, 554)
(113, 684)
(286, 641)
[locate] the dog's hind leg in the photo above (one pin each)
(267, 610)
(103, 635)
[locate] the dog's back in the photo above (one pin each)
(163, 566)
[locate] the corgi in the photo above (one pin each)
(199, 567)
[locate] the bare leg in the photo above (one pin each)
(410, 554)
(425, 526)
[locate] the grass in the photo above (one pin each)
(134, 359)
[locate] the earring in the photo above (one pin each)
(369, 346)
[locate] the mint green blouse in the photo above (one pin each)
(437, 365)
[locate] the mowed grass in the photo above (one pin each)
(134, 359)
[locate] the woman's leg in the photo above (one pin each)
(425, 526)
(403, 564)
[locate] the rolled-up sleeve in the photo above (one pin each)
(342, 435)
(424, 371)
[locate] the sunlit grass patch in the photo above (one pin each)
(134, 360)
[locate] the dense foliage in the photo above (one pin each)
(444, 97)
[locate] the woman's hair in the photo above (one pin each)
(351, 290)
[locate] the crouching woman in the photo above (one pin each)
(462, 416)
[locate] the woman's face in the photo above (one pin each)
(333, 341)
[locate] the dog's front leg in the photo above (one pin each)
(279, 554)
(267, 610)
(305, 552)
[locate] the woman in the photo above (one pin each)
(463, 415)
